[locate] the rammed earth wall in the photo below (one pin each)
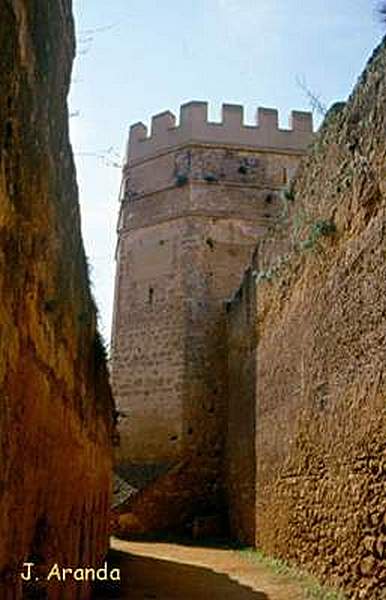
(317, 331)
(56, 406)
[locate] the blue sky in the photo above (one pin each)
(139, 57)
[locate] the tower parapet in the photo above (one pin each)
(194, 127)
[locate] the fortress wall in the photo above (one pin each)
(320, 368)
(56, 417)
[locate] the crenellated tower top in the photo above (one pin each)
(194, 127)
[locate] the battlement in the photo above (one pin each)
(194, 127)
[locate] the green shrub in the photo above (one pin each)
(321, 228)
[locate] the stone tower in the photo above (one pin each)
(196, 197)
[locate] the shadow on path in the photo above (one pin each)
(144, 578)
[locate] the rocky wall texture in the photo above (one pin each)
(56, 408)
(321, 355)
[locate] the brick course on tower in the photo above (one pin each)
(196, 198)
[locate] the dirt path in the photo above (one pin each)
(162, 571)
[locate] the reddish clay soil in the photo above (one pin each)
(164, 571)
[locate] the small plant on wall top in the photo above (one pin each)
(319, 229)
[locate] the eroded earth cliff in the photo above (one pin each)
(317, 332)
(56, 407)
